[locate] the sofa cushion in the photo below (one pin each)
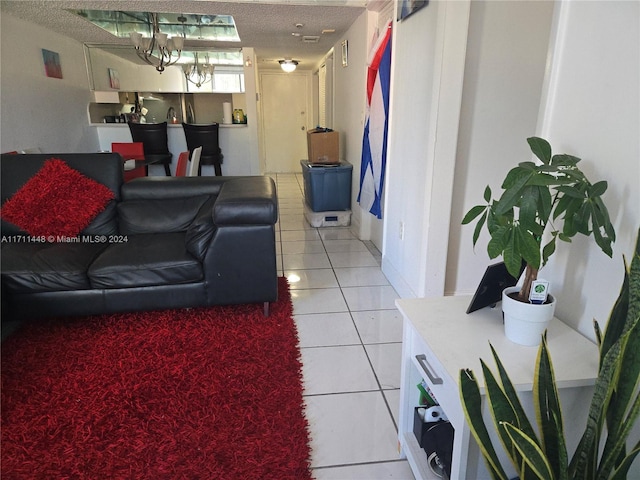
(56, 201)
(145, 260)
(158, 216)
(45, 267)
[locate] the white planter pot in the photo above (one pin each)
(524, 323)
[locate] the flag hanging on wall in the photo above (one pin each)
(374, 141)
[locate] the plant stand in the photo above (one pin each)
(451, 340)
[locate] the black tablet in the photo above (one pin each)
(496, 278)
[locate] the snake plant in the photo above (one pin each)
(602, 451)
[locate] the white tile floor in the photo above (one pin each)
(350, 339)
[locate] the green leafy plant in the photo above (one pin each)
(615, 405)
(538, 198)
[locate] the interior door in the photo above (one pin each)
(285, 100)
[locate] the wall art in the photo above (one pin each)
(114, 79)
(408, 7)
(52, 65)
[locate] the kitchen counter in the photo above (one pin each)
(234, 142)
(170, 125)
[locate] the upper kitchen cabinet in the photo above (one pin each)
(118, 68)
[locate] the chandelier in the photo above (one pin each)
(198, 73)
(158, 50)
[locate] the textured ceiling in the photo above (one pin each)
(265, 26)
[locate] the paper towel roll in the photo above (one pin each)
(226, 113)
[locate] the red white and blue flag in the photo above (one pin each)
(374, 141)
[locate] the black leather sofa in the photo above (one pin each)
(163, 242)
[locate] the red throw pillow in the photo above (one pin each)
(56, 201)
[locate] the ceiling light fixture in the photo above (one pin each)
(288, 65)
(198, 73)
(158, 50)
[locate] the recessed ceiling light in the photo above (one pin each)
(296, 34)
(329, 30)
(299, 25)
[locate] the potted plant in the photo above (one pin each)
(549, 200)
(615, 405)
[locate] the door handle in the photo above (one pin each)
(302, 128)
(435, 379)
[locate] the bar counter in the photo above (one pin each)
(234, 142)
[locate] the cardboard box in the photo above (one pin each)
(323, 147)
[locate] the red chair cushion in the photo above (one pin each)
(181, 167)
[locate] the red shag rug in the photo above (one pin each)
(205, 393)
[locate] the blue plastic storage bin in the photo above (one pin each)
(327, 187)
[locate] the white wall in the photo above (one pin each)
(134, 77)
(350, 105)
(407, 161)
(426, 90)
(591, 110)
(582, 94)
(55, 110)
(505, 63)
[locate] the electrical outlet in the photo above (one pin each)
(401, 232)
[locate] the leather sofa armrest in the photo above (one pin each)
(247, 201)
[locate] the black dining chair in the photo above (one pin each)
(205, 136)
(156, 144)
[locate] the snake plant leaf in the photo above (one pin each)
(523, 421)
(540, 148)
(502, 411)
(617, 319)
(531, 452)
(547, 408)
(472, 407)
(624, 322)
(623, 469)
(634, 287)
(562, 455)
(582, 464)
(616, 442)
(598, 333)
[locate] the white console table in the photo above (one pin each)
(451, 340)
